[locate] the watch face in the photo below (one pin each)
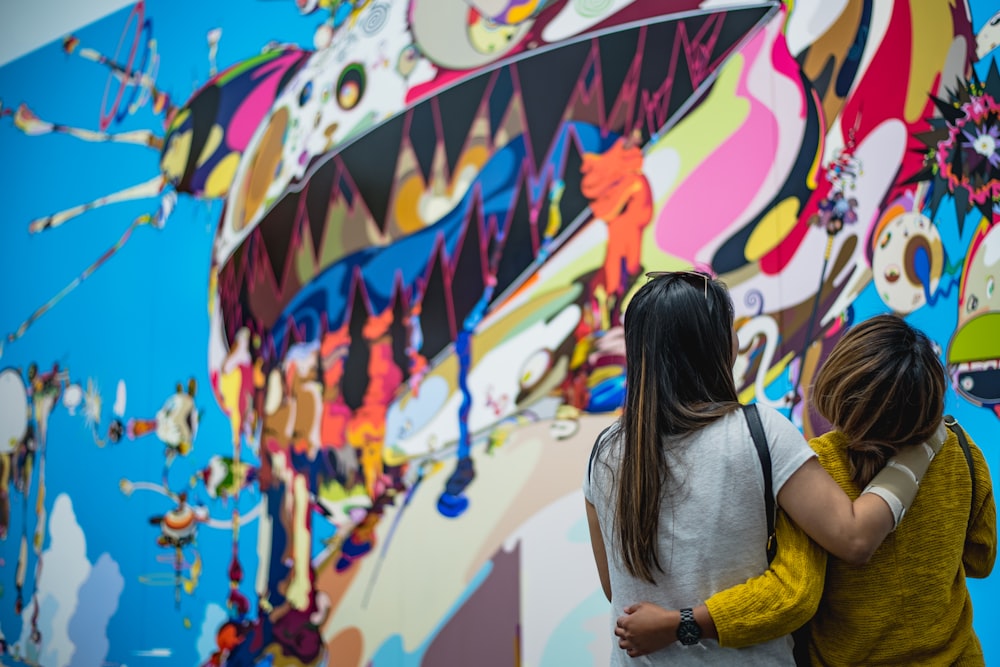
(688, 633)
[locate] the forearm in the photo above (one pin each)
(776, 602)
(850, 530)
(703, 616)
(853, 530)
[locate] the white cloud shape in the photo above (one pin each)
(64, 569)
(98, 602)
(75, 598)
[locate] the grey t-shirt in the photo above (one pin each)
(713, 528)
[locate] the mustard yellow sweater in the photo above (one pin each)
(909, 605)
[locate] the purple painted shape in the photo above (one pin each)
(485, 630)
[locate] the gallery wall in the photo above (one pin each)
(311, 311)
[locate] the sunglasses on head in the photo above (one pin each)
(698, 276)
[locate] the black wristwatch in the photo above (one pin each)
(688, 632)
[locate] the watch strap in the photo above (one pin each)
(688, 630)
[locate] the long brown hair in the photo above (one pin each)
(883, 387)
(679, 360)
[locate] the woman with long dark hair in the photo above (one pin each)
(674, 488)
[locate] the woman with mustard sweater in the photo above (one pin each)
(909, 605)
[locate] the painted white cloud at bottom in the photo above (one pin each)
(98, 602)
(75, 599)
(64, 569)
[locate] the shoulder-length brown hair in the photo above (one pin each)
(883, 387)
(679, 378)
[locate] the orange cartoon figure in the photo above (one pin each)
(619, 195)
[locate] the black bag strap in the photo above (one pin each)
(764, 454)
(963, 442)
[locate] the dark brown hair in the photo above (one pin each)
(679, 378)
(883, 387)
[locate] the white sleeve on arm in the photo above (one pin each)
(586, 486)
(592, 464)
(789, 449)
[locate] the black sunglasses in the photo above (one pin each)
(686, 275)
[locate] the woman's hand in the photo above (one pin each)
(645, 628)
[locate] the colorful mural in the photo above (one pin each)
(312, 311)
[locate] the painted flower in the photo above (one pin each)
(962, 146)
(984, 142)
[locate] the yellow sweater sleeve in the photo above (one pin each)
(981, 539)
(780, 600)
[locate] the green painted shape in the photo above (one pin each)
(977, 340)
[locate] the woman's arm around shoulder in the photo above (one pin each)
(850, 530)
(853, 530)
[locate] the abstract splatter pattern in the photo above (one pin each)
(313, 310)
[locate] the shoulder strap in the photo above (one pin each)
(593, 450)
(963, 441)
(764, 454)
